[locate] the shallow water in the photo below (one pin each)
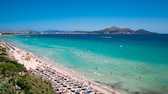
(132, 64)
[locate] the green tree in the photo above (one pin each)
(7, 69)
(21, 82)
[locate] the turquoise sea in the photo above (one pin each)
(131, 64)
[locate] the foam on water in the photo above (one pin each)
(127, 63)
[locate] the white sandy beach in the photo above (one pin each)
(31, 61)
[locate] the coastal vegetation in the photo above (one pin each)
(14, 78)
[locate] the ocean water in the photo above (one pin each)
(131, 64)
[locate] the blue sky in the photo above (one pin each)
(85, 15)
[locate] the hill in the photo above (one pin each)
(117, 30)
(111, 30)
(14, 78)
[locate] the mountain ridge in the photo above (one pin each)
(111, 30)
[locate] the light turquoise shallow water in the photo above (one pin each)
(133, 64)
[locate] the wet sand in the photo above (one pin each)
(63, 80)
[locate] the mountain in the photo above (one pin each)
(117, 30)
(111, 30)
(142, 31)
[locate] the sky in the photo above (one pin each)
(84, 15)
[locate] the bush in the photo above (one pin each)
(9, 72)
(3, 54)
(2, 49)
(8, 66)
(19, 66)
(3, 59)
(8, 69)
(22, 82)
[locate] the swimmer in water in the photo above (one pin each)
(96, 68)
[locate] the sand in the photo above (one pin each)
(30, 61)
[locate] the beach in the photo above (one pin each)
(123, 62)
(63, 80)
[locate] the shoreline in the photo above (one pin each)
(30, 61)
